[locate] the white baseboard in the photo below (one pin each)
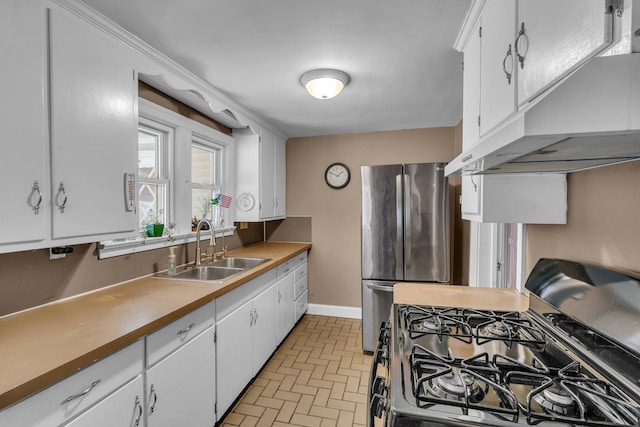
(335, 311)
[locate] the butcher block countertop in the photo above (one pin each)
(41, 346)
(460, 296)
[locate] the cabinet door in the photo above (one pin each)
(181, 388)
(497, 93)
(265, 322)
(280, 169)
(93, 93)
(471, 191)
(23, 149)
(558, 38)
(286, 306)
(124, 408)
(267, 181)
(234, 357)
(471, 91)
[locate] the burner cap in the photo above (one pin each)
(455, 384)
(498, 329)
(452, 386)
(432, 325)
(557, 400)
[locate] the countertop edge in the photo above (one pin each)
(16, 392)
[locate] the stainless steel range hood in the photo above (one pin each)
(592, 119)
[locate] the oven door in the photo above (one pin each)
(378, 391)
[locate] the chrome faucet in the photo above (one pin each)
(212, 241)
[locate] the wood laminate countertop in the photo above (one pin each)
(41, 346)
(460, 296)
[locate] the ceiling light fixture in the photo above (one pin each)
(324, 83)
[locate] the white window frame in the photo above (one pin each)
(185, 131)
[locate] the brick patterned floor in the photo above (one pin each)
(317, 377)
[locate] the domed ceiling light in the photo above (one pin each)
(324, 83)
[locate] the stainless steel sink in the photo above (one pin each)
(216, 271)
(237, 262)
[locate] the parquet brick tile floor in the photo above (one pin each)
(316, 378)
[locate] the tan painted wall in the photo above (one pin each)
(334, 260)
(603, 225)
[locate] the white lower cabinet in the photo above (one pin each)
(301, 293)
(123, 408)
(60, 403)
(286, 306)
(181, 387)
(246, 339)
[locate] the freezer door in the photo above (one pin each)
(377, 299)
(382, 227)
(426, 223)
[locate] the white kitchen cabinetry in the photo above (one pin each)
(24, 177)
(70, 397)
(124, 408)
(286, 305)
(301, 294)
(181, 387)
(246, 331)
(181, 371)
(260, 175)
(93, 91)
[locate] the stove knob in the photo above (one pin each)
(377, 405)
(382, 357)
(379, 385)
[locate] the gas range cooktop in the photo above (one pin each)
(462, 367)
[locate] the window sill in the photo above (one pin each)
(112, 248)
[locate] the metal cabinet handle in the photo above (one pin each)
(138, 406)
(508, 73)
(154, 396)
(62, 191)
(255, 316)
(521, 53)
(185, 330)
(279, 296)
(35, 191)
(82, 393)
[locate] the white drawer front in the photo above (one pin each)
(285, 268)
(301, 258)
(71, 396)
(302, 304)
(300, 286)
(170, 337)
(300, 272)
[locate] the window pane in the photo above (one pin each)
(151, 199)
(148, 158)
(202, 166)
(201, 203)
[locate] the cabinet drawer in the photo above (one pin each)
(170, 337)
(71, 396)
(302, 304)
(301, 258)
(285, 268)
(300, 286)
(300, 272)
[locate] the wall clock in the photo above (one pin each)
(337, 175)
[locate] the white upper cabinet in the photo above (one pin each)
(471, 90)
(93, 90)
(498, 68)
(24, 179)
(555, 38)
(260, 175)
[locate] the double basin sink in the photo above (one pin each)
(216, 271)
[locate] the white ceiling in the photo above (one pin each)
(404, 71)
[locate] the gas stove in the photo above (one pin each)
(548, 366)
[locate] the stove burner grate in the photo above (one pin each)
(509, 327)
(438, 321)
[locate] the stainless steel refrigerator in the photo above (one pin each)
(405, 235)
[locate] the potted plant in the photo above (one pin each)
(154, 225)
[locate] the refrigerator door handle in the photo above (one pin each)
(380, 287)
(408, 226)
(399, 226)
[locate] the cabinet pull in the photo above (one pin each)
(508, 73)
(521, 52)
(138, 406)
(154, 396)
(82, 393)
(255, 316)
(62, 191)
(279, 296)
(35, 191)
(185, 330)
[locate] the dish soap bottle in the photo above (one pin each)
(171, 266)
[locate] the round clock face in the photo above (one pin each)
(337, 175)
